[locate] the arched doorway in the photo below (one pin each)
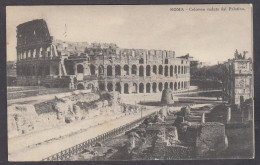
(118, 87)
(148, 70)
(135, 89)
(148, 88)
(141, 61)
(171, 71)
(141, 71)
(155, 69)
(126, 88)
(92, 69)
(80, 87)
(171, 85)
(126, 69)
(80, 68)
(109, 70)
(109, 87)
(134, 69)
(101, 86)
(118, 70)
(141, 88)
(166, 71)
(160, 86)
(101, 70)
(161, 70)
(165, 85)
(154, 87)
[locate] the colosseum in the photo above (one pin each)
(42, 60)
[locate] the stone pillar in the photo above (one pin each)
(203, 118)
(228, 114)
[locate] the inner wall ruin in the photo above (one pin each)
(42, 60)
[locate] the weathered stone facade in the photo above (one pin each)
(238, 83)
(43, 60)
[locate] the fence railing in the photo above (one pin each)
(64, 154)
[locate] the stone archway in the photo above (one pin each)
(165, 85)
(101, 70)
(92, 69)
(118, 87)
(80, 87)
(148, 70)
(141, 88)
(148, 88)
(160, 86)
(134, 69)
(118, 70)
(109, 70)
(109, 87)
(141, 71)
(126, 88)
(80, 68)
(154, 87)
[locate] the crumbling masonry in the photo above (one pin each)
(41, 60)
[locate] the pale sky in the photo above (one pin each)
(209, 36)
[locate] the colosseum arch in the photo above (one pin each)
(118, 87)
(160, 86)
(141, 71)
(154, 87)
(109, 70)
(171, 71)
(134, 69)
(135, 88)
(166, 69)
(141, 88)
(141, 61)
(171, 85)
(92, 69)
(101, 86)
(80, 68)
(166, 61)
(175, 86)
(80, 86)
(109, 87)
(126, 88)
(118, 70)
(148, 88)
(165, 85)
(101, 70)
(155, 69)
(175, 69)
(148, 70)
(126, 69)
(161, 70)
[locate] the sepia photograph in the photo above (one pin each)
(130, 82)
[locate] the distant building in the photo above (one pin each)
(238, 83)
(103, 66)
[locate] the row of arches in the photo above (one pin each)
(147, 70)
(35, 53)
(149, 87)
